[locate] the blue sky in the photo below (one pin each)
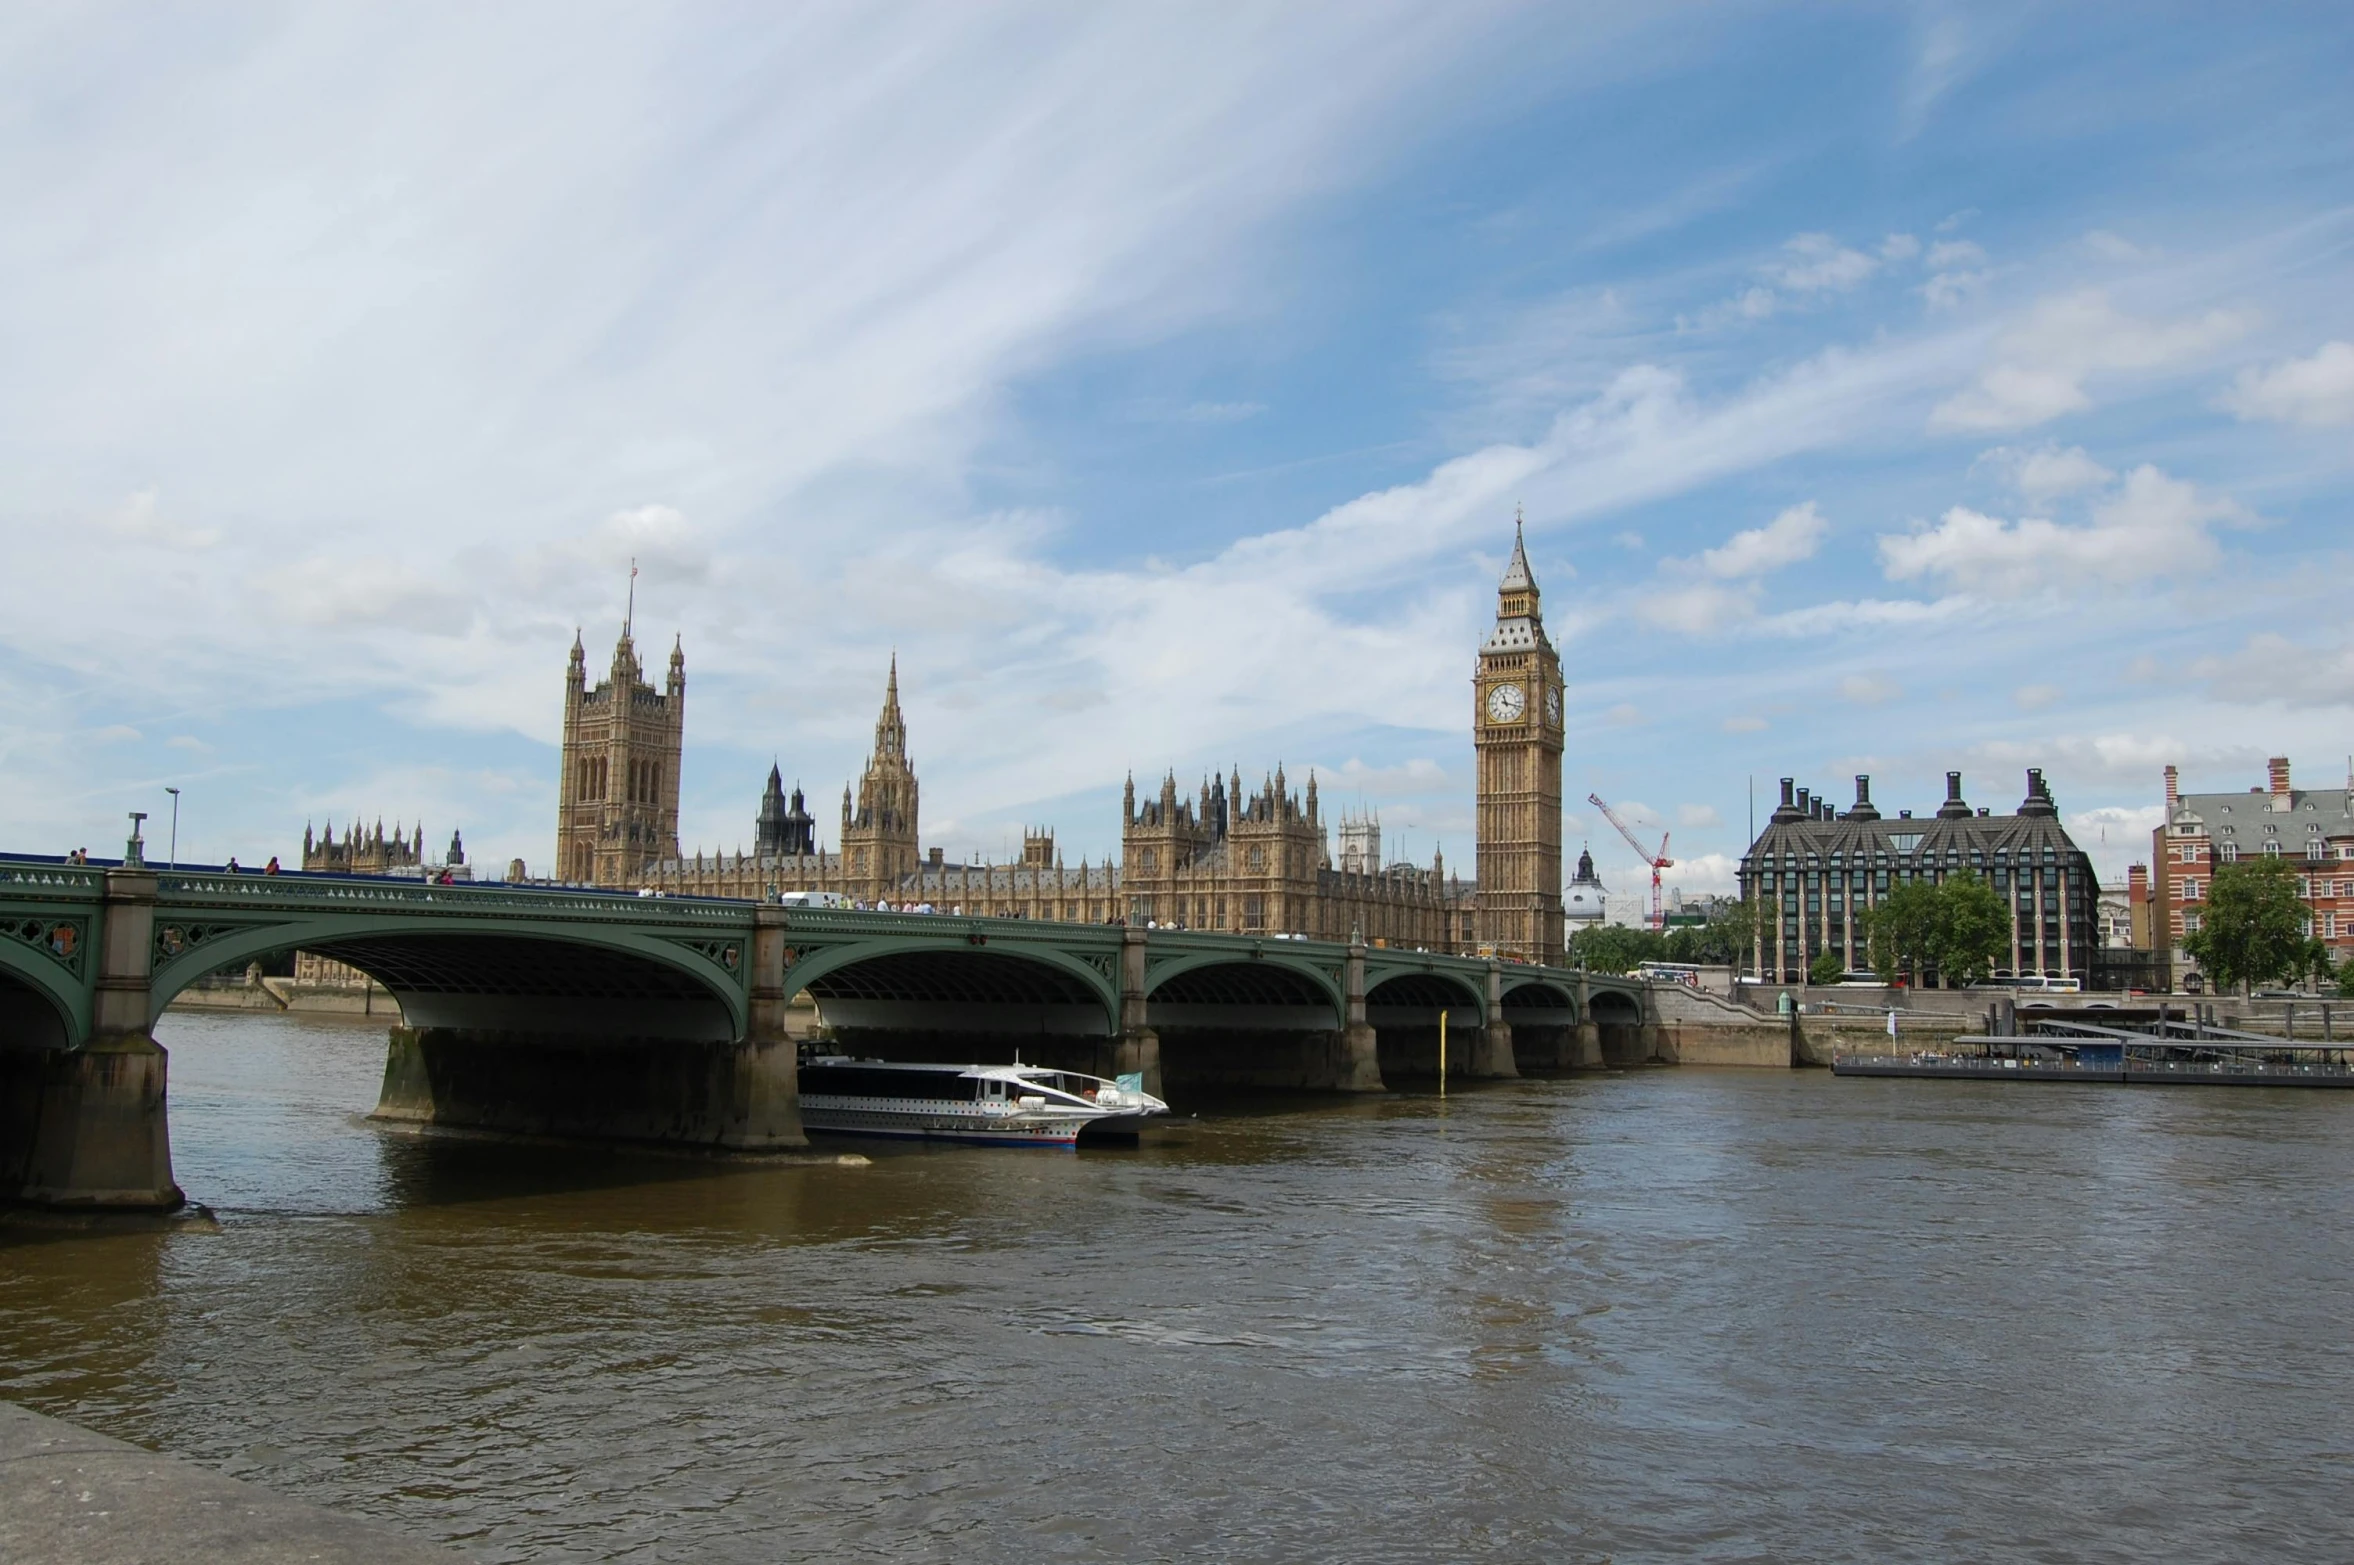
(1889, 389)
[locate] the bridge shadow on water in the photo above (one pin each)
(426, 1169)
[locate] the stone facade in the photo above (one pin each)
(1220, 858)
(1223, 860)
(1517, 731)
(617, 789)
(1823, 868)
(879, 828)
(362, 851)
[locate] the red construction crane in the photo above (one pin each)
(1658, 861)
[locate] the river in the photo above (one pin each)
(1650, 1316)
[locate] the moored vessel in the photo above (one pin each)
(984, 1105)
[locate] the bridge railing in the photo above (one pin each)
(51, 878)
(372, 892)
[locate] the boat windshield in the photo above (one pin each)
(852, 1081)
(1082, 1087)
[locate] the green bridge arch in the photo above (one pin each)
(815, 962)
(324, 933)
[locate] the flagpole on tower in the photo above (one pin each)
(629, 615)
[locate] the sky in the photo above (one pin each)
(1887, 389)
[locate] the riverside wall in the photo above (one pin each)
(69, 1496)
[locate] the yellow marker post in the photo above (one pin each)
(1442, 1053)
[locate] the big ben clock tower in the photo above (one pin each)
(1516, 729)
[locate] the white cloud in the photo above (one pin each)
(1695, 816)
(1958, 274)
(1627, 540)
(1700, 607)
(1636, 813)
(1899, 247)
(2124, 823)
(1626, 715)
(2315, 391)
(1953, 220)
(114, 733)
(139, 520)
(1706, 874)
(357, 591)
(2040, 365)
(1745, 725)
(1817, 263)
(1833, 617)
(2034, 698)
(2271, 670)
(2046, 472)
(1792, 536)
(1869, 689)
(1952, 290)
(2107, 246)
(1696, 608)
(1221, 412)
(2154, 527)
(2132, 759)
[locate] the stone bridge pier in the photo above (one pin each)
(82, 1121)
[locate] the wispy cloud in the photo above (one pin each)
(2315, 391)
(2154, 526)
(2039, 367)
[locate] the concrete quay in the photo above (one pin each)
(71, 1497)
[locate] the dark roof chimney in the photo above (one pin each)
(2039, 798)
(1954, 808)
(1787, 810)
(1864, 810)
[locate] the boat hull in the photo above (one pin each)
(968, 1130)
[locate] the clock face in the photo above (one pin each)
(1506, 703)
(1553, 707)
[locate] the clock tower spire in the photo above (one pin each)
(1516, 732)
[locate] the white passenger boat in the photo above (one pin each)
(990, 1105)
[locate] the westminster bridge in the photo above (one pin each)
(578, 1013)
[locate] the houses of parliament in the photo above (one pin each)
(1219, 856)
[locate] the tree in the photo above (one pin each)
(1826, 970)
(2253, 926)
(1614, 948)
(1900, 934)
(1730, 938)
(1973, 929)
(1957, 926)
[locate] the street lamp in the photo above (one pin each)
(173, 860)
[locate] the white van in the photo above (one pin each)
(813, 899)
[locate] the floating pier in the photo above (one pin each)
(2168, 1053)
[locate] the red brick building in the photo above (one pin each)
(2311, 827)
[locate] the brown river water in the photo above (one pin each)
(1650, 1316)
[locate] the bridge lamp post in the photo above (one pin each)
(172, 859)
(1442, 1051)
